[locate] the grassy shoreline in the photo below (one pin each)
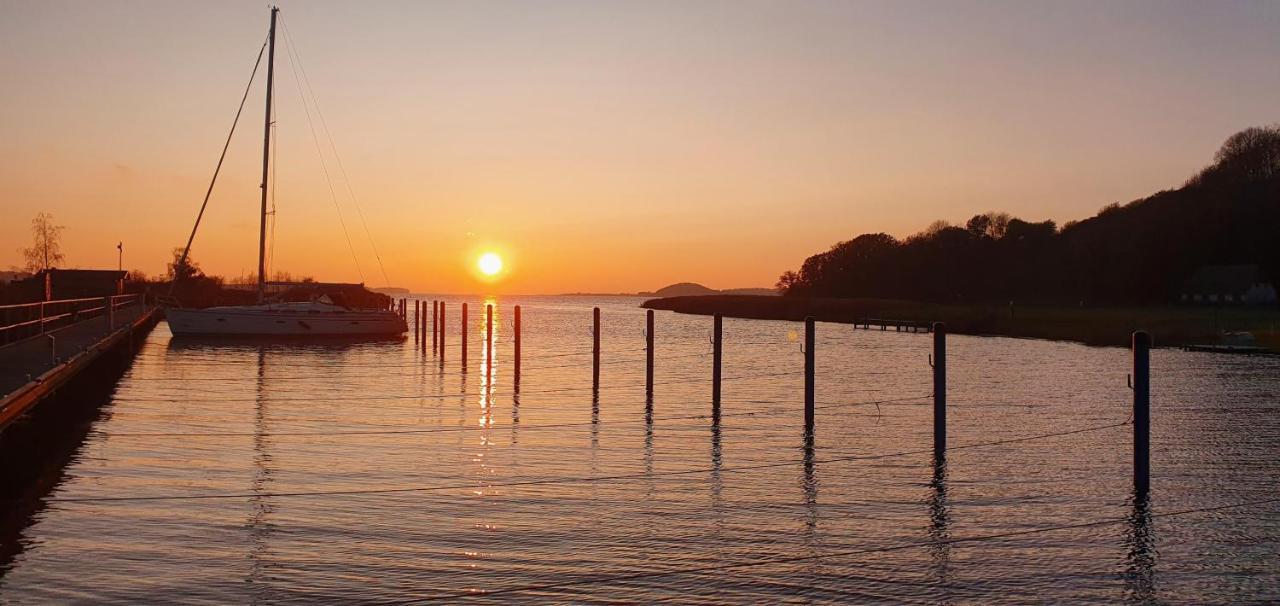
(1170, 326)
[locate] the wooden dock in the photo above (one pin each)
(59, 346)
(896, 325)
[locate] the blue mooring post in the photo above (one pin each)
(595, 350)
(648, 353)
(717, 354)
(939, 390)
(1141, 413)
(808, 375)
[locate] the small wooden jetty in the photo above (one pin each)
(45, 345)
(896, 325)
(1248, 350)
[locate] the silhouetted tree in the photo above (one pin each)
(1141, 252)
(183, 269)
(46, 245)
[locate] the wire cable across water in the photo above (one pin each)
(650, 574)
(566, 480)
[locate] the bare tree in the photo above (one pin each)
(46, 248)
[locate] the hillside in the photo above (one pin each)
(1140, 253)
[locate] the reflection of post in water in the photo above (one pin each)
(648, 436)
(1140, 561)
(260, 526)
(939, 523)
(717, 485)
(595, 421)
(810, 485)
(515, 409)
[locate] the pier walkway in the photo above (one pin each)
(47, 344)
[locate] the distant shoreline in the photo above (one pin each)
(1102, 326)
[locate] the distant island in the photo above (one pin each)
(693, 289)
(1195, 264)
(683, 289)
(391, 290)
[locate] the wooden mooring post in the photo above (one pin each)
(435, 324)
(462, 322)
(717, 356)
(417, 319)
(595, 350)
(516, 344)
(442, 333)
(488, 347)
(939, 363)
(648, 353)
(1141, 414)
(809, 339)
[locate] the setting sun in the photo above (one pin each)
(490, 264)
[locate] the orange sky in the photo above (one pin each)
(606, 146)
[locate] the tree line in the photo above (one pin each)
(1137, 253)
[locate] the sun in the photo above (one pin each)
(490, 264)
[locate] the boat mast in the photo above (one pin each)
(266, 159)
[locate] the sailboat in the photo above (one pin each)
(321, 317)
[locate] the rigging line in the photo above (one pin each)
(649, 574)
(187, 250)
(561, 480)
(337, 158)
(333, 194)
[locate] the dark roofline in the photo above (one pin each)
(55, 271)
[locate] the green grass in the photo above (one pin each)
(1169, 326)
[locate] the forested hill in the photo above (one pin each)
(1141, 252)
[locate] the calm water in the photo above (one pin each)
(428, 488)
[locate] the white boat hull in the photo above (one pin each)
(284, 320)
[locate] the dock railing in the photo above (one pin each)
(25, 320)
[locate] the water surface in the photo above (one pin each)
(376, 472)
